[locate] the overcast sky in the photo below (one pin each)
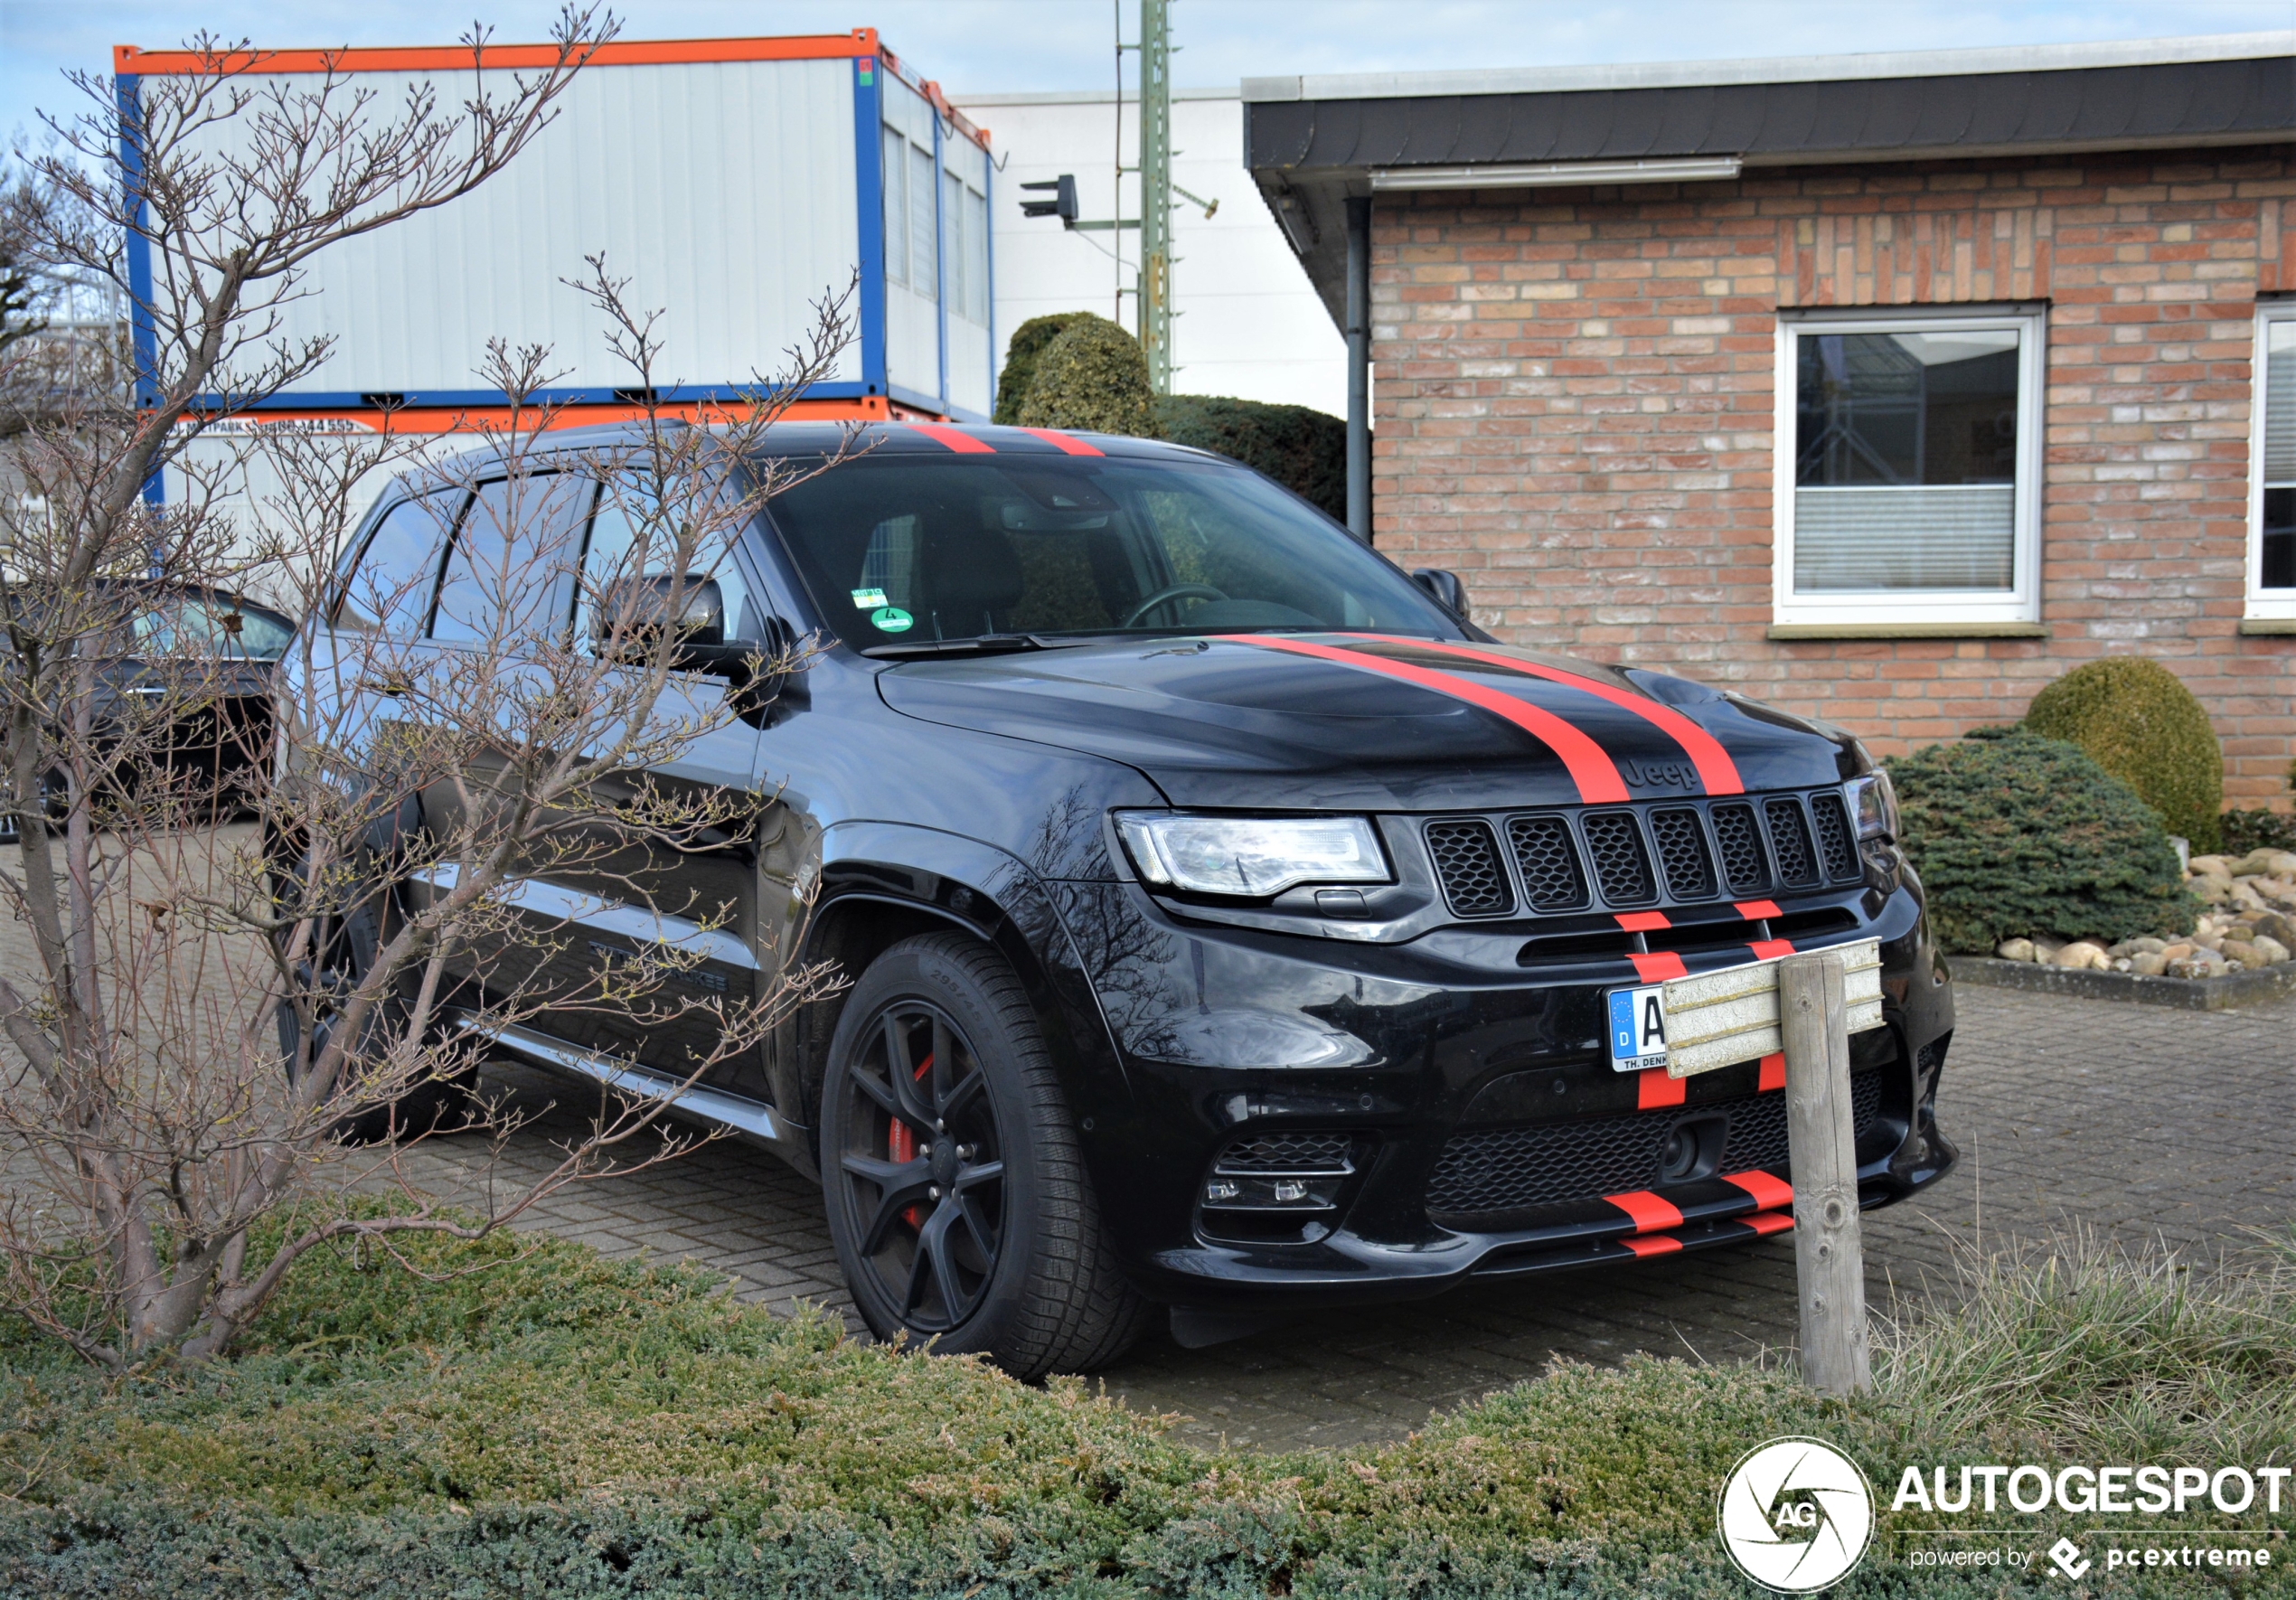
(985, 45)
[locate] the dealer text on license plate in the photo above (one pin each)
(1638, 1028)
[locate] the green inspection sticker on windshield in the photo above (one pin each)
(891, 619)
(866, 599)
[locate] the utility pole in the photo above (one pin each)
(1155, 192)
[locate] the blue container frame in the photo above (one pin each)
(869, 181)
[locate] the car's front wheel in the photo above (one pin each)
(957, 1194)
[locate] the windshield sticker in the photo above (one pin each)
(866, 599)
(891, 619)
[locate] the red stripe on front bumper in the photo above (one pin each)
(1649, 1213)
(1655, 1244)
(1770, 1193)
(1768, 1222)
(1771, 949)
(1655, 1091)
(1773, 1072)
(1641, 921)
(1658, 965)
(1756, 910)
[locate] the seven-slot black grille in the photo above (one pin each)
(1681, 854)
(1790, 840)
(1491, 1171)
(1548, 862)
(1836, 848)
(1620, 866)
(1678, 853)
(1466, 858)
(1740, 840)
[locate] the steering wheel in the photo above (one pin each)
(1178, 591)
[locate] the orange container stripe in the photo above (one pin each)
(1593, 771)
(424, 419)
(129, 61)
(1655, 1091)
(1716, 771)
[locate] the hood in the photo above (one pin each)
(1367, 722)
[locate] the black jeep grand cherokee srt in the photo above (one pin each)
(1232, 926)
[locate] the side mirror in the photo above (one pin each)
(1444, 589)
(640, 606)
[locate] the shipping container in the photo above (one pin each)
(734, 182)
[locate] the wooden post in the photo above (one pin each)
(1829, 1261)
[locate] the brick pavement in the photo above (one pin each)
(2139, 1121)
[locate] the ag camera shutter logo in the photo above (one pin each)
(1796, 1514)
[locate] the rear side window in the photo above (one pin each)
(390, 588)
(511, 575)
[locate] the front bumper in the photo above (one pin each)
(1448, 1110)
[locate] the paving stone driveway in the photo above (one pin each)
(2138, 1121)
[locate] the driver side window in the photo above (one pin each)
(630, 536)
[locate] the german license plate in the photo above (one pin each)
(1638, 1028)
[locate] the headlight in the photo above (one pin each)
(1874, 803)
(1251, 855)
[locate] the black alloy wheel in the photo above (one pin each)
(929, 1176)
(956, 1194)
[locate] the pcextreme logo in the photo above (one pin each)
(1796, 1515)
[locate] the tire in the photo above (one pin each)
(958, 1200)
(345, 952)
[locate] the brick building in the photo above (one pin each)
(1886, 388)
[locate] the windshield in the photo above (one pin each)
(905, 551)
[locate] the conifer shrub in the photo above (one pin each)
(1094, 379)
(2141, 723)
(1302, 448)
(1022, 352)
(2014, 835)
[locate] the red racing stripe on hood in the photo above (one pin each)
(1715, 770)
(1593, 771)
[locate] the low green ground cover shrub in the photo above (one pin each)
(2141, 723)
(2014, 835)
(556, 1425)
(2258, 828)
(1302, 448)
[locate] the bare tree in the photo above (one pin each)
(205, 1014)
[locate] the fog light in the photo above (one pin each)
(1288, 1192)
(1216, 1192)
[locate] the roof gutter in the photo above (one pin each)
(1552, 175)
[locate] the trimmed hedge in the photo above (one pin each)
(1302, 448)
(1022, 352)
(535, 1421)
(2014, 835)
(1093, 378)
(2145, 727)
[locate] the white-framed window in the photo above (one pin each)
(1909, 466)
(2272, 466)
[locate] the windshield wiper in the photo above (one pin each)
(979, 644)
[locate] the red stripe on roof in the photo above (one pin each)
(1771, 949)
(1072, 445)
(1655, 1244)
(1658, 965)
(956, 440)
(1642, 921)
(1773, 1072)
(1716, 771)
(1771, 1194)
(1655, 1091)
(1756, 910)
(1593, 771)
(1651, 1213)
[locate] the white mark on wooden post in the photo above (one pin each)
(1829, 1260)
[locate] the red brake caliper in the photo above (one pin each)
(901, 1144)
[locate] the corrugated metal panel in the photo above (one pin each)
(724, 191)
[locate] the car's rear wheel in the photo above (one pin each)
(957, 1194)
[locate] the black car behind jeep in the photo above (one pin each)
(1232, 926)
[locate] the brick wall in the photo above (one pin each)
(1573, 409)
